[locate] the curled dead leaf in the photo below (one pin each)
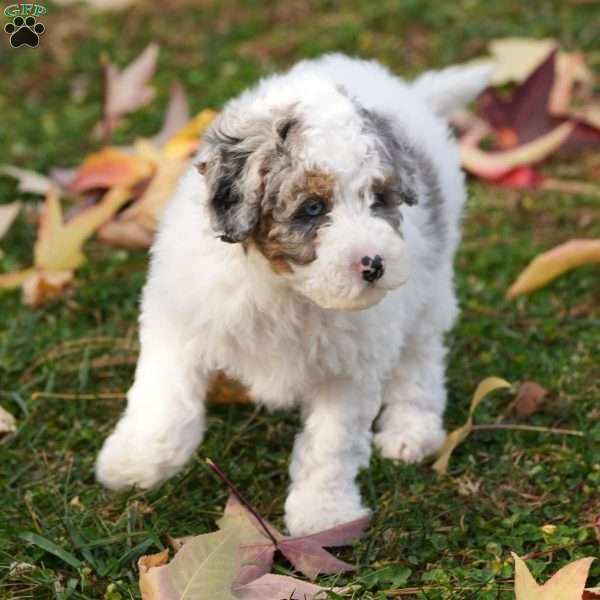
(110, 167)
(492, 165)
(456, 437)
(549, 265)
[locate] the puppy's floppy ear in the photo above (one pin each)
(234, 212)
(399, 153)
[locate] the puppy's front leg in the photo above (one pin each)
(334, 445)
(164, 419)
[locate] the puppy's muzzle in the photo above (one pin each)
(372, 268)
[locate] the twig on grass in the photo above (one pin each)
(221, 474)
(99, 396)
(516, 427)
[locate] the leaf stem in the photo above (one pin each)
(221, 474)
(490, 426)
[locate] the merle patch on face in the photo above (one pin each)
(261, 195)
(415, 178)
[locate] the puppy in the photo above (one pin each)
(308, 254)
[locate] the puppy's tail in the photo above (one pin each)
(450, 89)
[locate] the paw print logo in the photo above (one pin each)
(24, 32)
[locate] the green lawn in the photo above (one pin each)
(448, 537)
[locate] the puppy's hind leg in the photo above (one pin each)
(164, 419)
(410, 426)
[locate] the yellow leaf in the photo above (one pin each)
(566, 584)
(8, 213)
(185, 141)
(10, 281)
(459, 435)
(555, 262)
(135, 226)
(42, 286)
(517, 58)
(59, 244)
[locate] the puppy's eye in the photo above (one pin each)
(312, 208)
(379, 200)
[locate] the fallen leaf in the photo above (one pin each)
(185, 141)
(573, 82)
(59, 244)
(530, 396)
(29, 182)
(493, 165)
(566, 584)
(8, 423)
(110, 167)
(549, 265)
(153, 584)
(487, 386)
(8, 213)
(517, 58)
(135, 226)
(525, 115)
(58, 249)
(306, 553)
(42, 286)
(205, 567)
(279, 587)
(176, 116)
(128, 90)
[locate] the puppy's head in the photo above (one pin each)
(319, 192)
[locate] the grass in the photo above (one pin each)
(450, 537)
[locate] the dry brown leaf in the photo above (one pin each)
(128, 90)
(8, 423)
(566, 584)
(152, 585)
(42, 286)
(530, 396)
(110, 167)
(227, 391)
(549, 265)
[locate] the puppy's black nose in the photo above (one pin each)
(372, 268)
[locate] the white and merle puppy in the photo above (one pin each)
(307, 254)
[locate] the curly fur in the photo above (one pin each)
(244, 280)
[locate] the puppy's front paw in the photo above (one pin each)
(313, 510)
(411, 437)
(129, 458)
